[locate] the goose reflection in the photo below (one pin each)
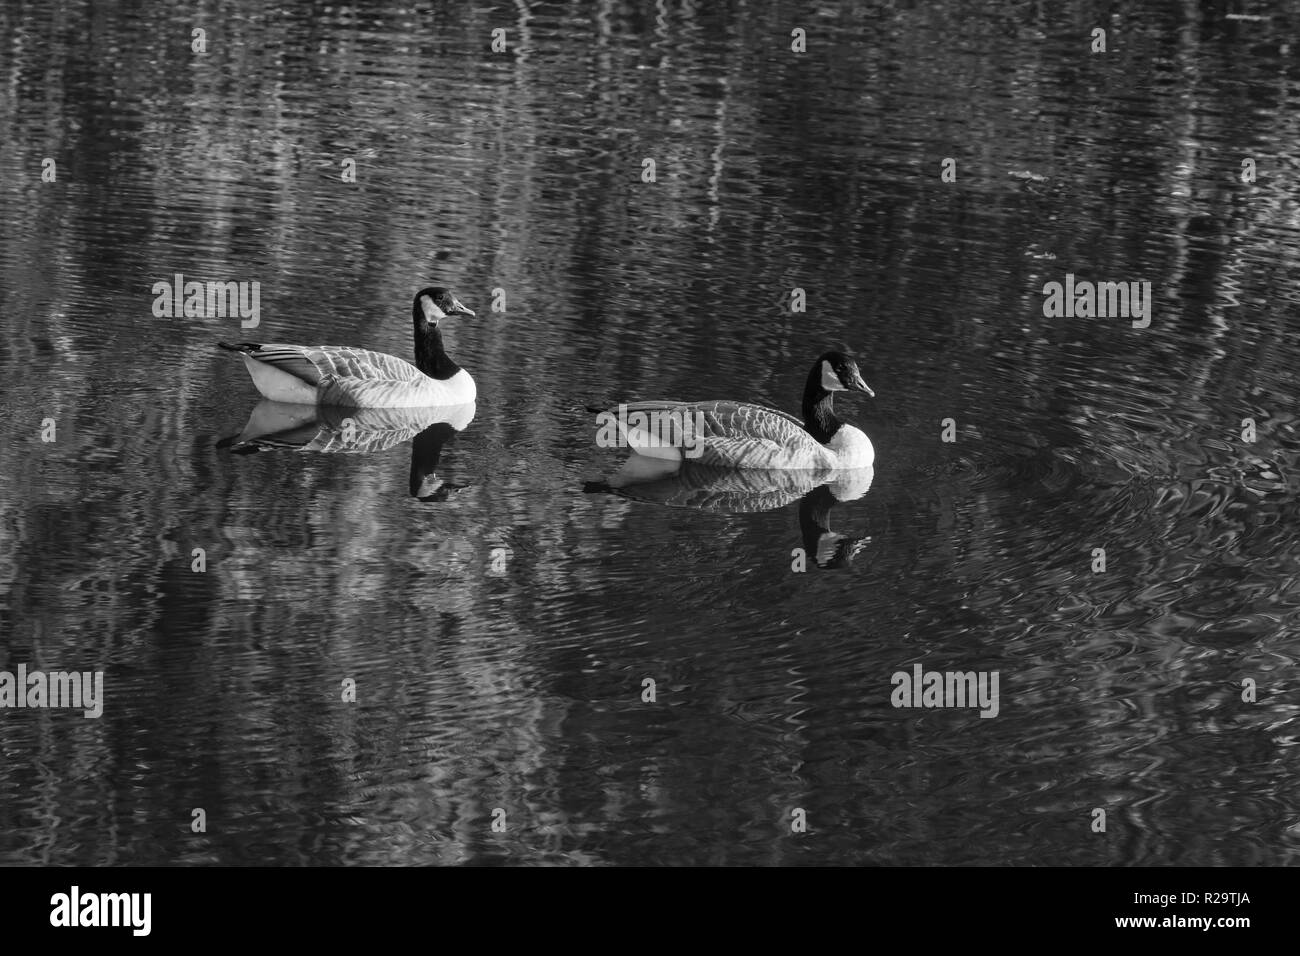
(736, 491)
(323, 429)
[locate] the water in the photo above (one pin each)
(499, 624)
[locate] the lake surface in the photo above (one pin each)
(499, 624)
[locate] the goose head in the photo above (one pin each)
(434, 303)
(832, 372)
(837, 372)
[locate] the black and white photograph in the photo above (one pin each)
(651, 434)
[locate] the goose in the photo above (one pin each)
(342, 376)
(743, 435)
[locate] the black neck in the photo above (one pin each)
(429, 355)
(818, 408)
(425, 449)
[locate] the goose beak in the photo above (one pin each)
(859, 385)
(457, 306)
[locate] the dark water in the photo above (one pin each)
(512, 678)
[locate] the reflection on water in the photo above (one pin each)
(499, 641)
(331, 430)
(711, 488)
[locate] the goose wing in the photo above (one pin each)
(738, 434)
(352, 377)
(314, 363)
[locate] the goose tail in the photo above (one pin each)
(282, 373)
(237, 446)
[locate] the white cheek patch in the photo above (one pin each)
(831, 381)
(431, 311)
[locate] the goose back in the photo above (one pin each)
(738, 435)
(359, 378)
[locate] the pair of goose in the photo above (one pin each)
(734, 434)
